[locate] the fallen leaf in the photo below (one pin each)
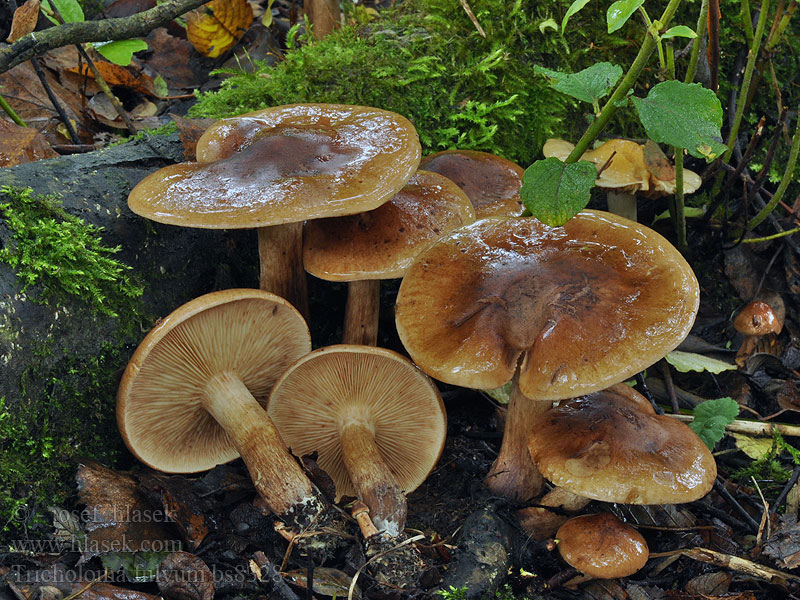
(755, 448)
(21, 145)
(215, 27)
(657, 162)
(170, 59)
(783, 546)
(25, 18)
(116, 75)
(183, 576)
(190, 130)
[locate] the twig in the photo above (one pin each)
(410, 540)
(726, 495)
(751, 427)
(472, 18)
(713, 44)
(73, 135)
(739, 564)
(673, 398)
(41, 42)
(786, 489)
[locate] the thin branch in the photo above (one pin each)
(40, 42)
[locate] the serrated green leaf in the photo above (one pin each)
(554, 191)
(70, 11)
(678, 31)
(711, 417)
(689, 361)
(686, 115)
(120, 52)
(690, 212)
(588, 85)
(619, 13)
(573, 8)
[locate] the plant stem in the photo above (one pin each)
(639, 63)
(787, 177)
(11, 113)
(679, 217)
(747, 22)
(695, 53)
(769, 238)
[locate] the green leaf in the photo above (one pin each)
(554, 191)
(686, 115)
(711, 417)
(501, 394)
(690, 212)
(573, 8)
(619, 13)
(70, 11)
(678, 31)
(548, 24)
(120, 52)
(689, 361)
(588, 85)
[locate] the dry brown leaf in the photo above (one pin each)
(25, 18)
(170, 59)
(190, 131)
(217, 26)
(21, 145)
(657, 162)
(183, 576)
(116, 75)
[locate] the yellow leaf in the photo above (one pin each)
(755, 448)
(215, 27)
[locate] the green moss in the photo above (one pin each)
(426, 61)
(65, 407)
(63, 256)
(165, 129)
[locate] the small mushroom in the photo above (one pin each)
(491, 182)
(559, 311)
(601, 546)
(275, 168)
(192, 395)
(611, 446)
(756, 320)
(380, 244)
(376, 421)
(626, 168)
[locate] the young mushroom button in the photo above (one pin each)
(601, 546)
(381, 244)
(376, 421)
(275, 168)
(561, 311)
(191, 396)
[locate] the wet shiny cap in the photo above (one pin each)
(282, 165)
(578, 307)
(491, 182)
(602, 546)
(345, 384)
(607, 446)
(382, 243)
(160, 412)
(757, 318)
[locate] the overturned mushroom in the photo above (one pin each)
(376, 421)
(192, 395)
(561, 311)
(275, 168)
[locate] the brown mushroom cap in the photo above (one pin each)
(629, 167)
(334, 387)
(578, 307)
(382, 243)
(251, 333)
(283, 165)
(603, 446)
(491, 182)
(757, 318)
(602, 546)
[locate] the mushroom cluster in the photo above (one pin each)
(563, 313)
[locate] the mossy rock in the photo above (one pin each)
(82, 279)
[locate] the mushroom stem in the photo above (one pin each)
(280, 251)
(362, 312)
(622, 204)
(276, 475)
(513, 474)
(373, 479)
